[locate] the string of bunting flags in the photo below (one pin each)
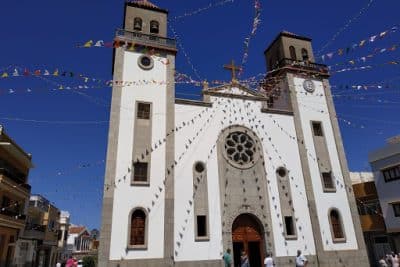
(346, 50)
(202, 9)
(346, 26)
(256, 23)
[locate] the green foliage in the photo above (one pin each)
(89, 261)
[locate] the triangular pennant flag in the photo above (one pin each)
(4, 75)
(88, 44)
(99, 43)
(15, 73)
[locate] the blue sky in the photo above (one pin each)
(69, 157)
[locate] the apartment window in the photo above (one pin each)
(289, 226)
(336, 225)
(396, 209)
(140, 172)
(317, 128)
(143, 111)
(137, 24)
(392, 173)
(138, 228)
(201, 226)
(328, 180)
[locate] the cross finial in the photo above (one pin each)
(233, 69)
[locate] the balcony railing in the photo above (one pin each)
(305, 65)
(11, 172)
(35, 227)
(12, 213)
(146, 39)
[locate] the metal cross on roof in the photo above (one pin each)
(233, 69)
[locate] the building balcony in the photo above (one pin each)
(302, 65)
(12, 213)
(12, 174)
(370, 223)
(35, 231)
(146, 39)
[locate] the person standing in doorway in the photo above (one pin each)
(269, 261)
(227, 258)
(244, 260)
(301, 261)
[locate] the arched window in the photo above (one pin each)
(336, 225)
(138, 228)
(154, 27)
(292, 51)
(137, 24)
(304, 54)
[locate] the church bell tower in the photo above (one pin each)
(139, 146)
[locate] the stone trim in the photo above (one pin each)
(344, 168)
(277, 111)
(305, 168)
(169, 202)
(192, 102)
(111, 164)
(245, 97)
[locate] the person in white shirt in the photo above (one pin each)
(269, 261)
(301, 261)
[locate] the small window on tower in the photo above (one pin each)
(317, 128)
(289, 226)
(292, 51)
(143, 111)
(328, 180)
(154, 27)
(304, 54)
(137, 24)
(201, 226)
(140, 172)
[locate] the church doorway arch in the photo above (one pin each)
(248, 235)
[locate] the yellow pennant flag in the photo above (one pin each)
(5, 75)
(55, 72)
(61, 87)
(88, 44)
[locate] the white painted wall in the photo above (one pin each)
(310, 106)
(199, 150)
(127, 197)
(388, 193)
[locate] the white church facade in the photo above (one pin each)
(259, 171)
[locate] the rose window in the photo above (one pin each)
(240, 148)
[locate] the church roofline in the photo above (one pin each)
(216, 89)
(287, 34)
(144, 4)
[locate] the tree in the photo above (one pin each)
(89, 261)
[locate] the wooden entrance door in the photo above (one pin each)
(247, 235)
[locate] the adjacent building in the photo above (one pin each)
(15, 164)
(81, 241)
(371, 218)
(64, 223)
(41, 235)
(385, 164)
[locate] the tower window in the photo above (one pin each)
(317, 128)
(328, 181)
(304, 54)
(336, 225)
(143, 111)
(137, 24)
(140, 172)
(138, 228)
(154, 27)
(201, 226)
(396, 209)
(289, 226)
(292, 51)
